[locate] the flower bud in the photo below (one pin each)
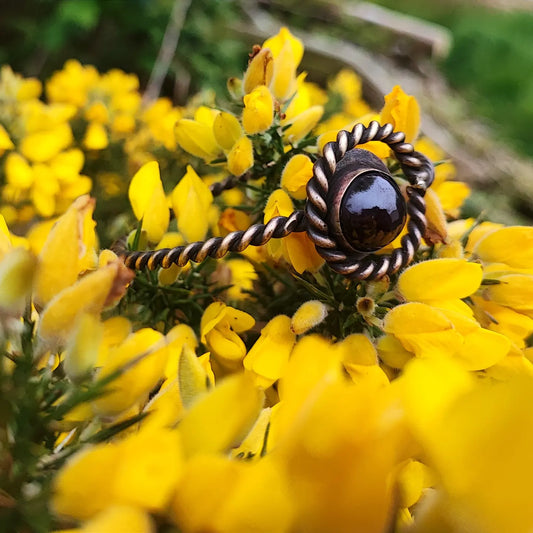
(95, 137)
(234, 86)
(307, 316)
(241, 156)
(259, 71)
(258, 112)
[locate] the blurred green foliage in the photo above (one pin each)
(491, 62)
(38, 36)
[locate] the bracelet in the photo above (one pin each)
(354, 208)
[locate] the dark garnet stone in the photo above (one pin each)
(372, 211)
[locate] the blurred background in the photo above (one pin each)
(468, 62)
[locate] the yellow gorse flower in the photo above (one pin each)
(297, 248)
(260, 392)
(403, 112)
(196, 136)
(191, 199)
(148, 201)
(258, 110)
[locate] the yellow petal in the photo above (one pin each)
(516, 326)
(436, 231)
(278, 204)
(277, 42)
(68, 164)
(403, 112)
(422, 329)
(258, 111)
(314, 361)
(222, 418)
(149, 468)
(29, 89)
(5, 141)
(300, 251)
(372, 375)
(120, 518)
(146, 179)
(488, 488)
(514, 290)
(241, 156)
(83, 346)
(141, 358)
(392, 352)
(227, 130)
(17, 269)
(42, 146)
(269, 355)
(192, 377)
(115, 331)
(320, 482)
(254, 443)
(283, 83)
(205, 488)
(301, 125)
(427, 387)
(226, 346)
(259, 71)
(261, 498)
(307, 316)
(296, 174)
(191, 199)
(440, 279)
(97, 112)
(148, 201)
(512, 246)
(482, 348)
(197, 138)
(357, 349)
(413, 478)
(452, 195)
(18, 171)
(178, 337)
(165, 409)
(238, 320)
(84, 500)
(65, 246)
(243, 276)
(213, 314)
(95, 137)
(90, 294)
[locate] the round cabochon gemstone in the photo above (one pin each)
(372, 212)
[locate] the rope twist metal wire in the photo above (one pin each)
(416, 167)
(216, 247)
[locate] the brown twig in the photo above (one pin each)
(167, 50)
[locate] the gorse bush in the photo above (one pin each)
(260, 391)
